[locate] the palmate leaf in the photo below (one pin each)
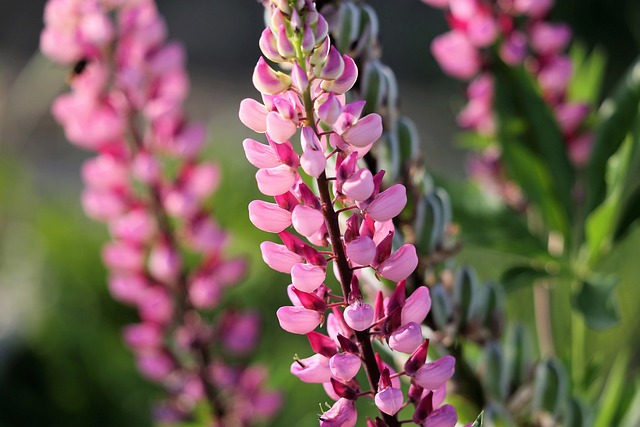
(533, 147)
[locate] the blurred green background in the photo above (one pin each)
(62, 360)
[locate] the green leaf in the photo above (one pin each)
(615, 119)
(551, 388)
(612, 393)
(495, 373)
(517, 96)
(479, 422)
(588, 73)
(518, 349)
(521, 276)
(597, 303)
(578, 414)
(623, 180)
(349, 20)
(631, 417)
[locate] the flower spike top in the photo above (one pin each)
(125, 104)
(331, 214)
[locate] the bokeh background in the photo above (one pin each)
(62, 360)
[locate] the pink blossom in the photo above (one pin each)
(342, 414)
(275, 181)
(365, 132)
(400, 264)
(359, 186)
(389, 400)
(406, 338)
(269, 217)
(298, 320)
(547, 38)
(444, 416)
(266, 80)
(314, 369)
(361, 250)
(432, 375)
(306, 277)
(359, 316)
(344, 366)
(306, 221)
(279, 257)
(260, 155)
(417, 306)
(456, 55)
(253, 115)
(388, 204)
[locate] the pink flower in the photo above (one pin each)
(306, 221)
(359, 316)
(279, 257)
(456, 55)
(269, 217)
(406, 338)
(307, 277)
(314, 369)
(253, 115)
(389, 400)
(417, 306)
(400, 264)
(344, 366)
(298, 320)
(268, 81)
(342, 414)
(444, 416)
(432, 375)
(275, 181)
(547, 38)
(365, 132)
(361, 250)
(388, 204)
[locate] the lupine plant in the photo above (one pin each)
(167, 254)
(347, 217)
(573, 175)
(367, 238)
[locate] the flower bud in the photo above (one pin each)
(268, 81)
(332, 67)
(284, 45)
(346, 80)
(269, 47)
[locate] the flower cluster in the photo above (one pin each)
(146, 182)
(520, 34)
(340, 216)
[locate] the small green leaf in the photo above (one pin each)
(588, 74)
(551, 388)
(494, 368)
(479, 422)
(349, 19)
(521, 276)
(616, 117)
(596, 301)
(518, 349)
(374, 85)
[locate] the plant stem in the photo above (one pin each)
(541, 297)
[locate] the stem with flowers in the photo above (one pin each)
(349, 215)
(167, 257)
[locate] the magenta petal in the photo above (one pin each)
(279, 128)
(400, 264)
(298, 320)
(342, 414)
(367, 131)
(417, 306)
(307, 277)
(253, 115)
(269, 217)
(275, 181)
(388, 204)
(406, 338)
(389, 400)
(444, 416)
(314, 369)
(456, 55)
(432, 375)
(268, 81)
(344, 366)
(279, 257)
(260, 155)
(361, 250)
